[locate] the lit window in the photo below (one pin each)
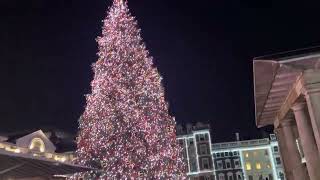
(37, 144)
(247, 155)
(258, 166)
(255, 153)
(268, 166)
(248, 166)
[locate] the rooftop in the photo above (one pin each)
(274, 76)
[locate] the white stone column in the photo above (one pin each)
(307, 140)
(296, 167)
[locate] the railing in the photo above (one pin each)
(255, 142)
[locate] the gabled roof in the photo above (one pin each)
(274, 76)
(26, 140)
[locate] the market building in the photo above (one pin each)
(34, 156)
(287, 96)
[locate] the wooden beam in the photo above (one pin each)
(293, 95)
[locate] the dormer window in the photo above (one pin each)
(37, 145)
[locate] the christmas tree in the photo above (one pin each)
(125, 130)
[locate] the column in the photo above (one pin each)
(284, 155)
(308, 142)
(311, 90)
(296, 167)
(313, 102)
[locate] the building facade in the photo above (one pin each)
(248, 160)
(287, 96)
(35, 156)
(240, 160)
(197, 153)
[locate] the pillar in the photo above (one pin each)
(311, 90)
(284, 155)
(308, 142)
(298, 169)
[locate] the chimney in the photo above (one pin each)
(237, 137)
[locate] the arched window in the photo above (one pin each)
(37, 144)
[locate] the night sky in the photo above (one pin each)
(203, 50)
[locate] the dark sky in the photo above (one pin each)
(203, 49)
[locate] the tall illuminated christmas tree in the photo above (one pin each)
(125, 129)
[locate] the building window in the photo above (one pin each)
(226, 154)
(247, 155)
(203, 149)
(235, 153)
(37, 144)
(193, 166)
(206, 137)
(250, 177)
(258, 166)
(205, 163)
(248, 166)
(219, 164)
(266, 152)
(270, 177)
(281, 175)
(236, 163)
(230, 153)
(268, 166)
(228, 163)
(191, 141)
(218, 155)
(278, 160)
(202, 137)
(230, 176)
(221, 176)
(275, 149)
(239, 175)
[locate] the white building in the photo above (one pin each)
(196, 143)
(257, 159)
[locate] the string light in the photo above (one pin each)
(125, 130)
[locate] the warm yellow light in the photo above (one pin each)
(258, 166)
(17, 151)
(247, 155)
(60, 158)
(37, 144)
(248, 166)
(13, 149)
(268, 166)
